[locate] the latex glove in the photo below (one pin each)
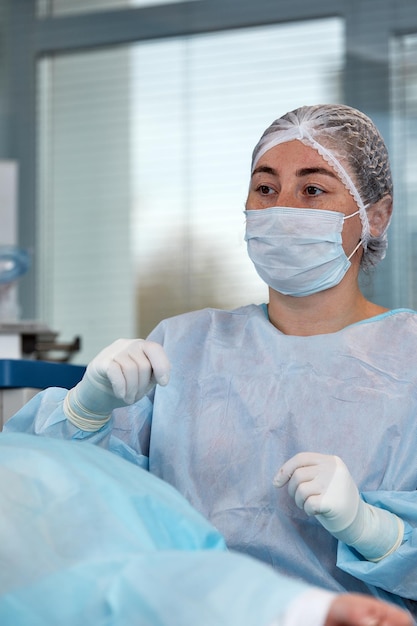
(322, 485)
(119, 375)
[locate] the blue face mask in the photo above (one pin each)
(297, 252)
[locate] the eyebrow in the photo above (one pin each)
(264, 169)
(305, 171)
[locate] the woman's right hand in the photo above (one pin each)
(119, 375)
(128, 369)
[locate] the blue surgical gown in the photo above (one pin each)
(243, 398)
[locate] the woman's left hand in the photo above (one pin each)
(321, 485)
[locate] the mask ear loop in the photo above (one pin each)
(347, 217)
(360, 240)
(357, 248)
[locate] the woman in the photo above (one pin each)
(317, 388)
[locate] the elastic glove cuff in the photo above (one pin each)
(375, 533)
(94, 396)
(81, 417)
(396, 545)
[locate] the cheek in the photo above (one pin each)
(250, 201)
(351, 234)
(255, 201)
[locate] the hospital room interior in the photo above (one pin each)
(126, 134)
(125, 137)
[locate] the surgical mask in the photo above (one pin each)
(297, 252)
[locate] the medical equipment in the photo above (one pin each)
(31, 358)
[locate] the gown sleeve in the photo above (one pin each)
(126, 433)
(396, 573)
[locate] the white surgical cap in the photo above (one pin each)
(350, 142)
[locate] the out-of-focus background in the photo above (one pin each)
(126, 131)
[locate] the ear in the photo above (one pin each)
(379, 215)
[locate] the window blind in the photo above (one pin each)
(144, 168)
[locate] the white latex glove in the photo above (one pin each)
(119, 375)
(322, 486)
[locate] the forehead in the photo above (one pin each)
(294, 155)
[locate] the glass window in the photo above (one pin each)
(403, 232)
(144, 168)
(56, 8)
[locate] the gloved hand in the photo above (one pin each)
(322, 485)
(119, 375)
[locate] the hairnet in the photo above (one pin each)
(350, 142)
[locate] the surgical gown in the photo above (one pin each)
(243, 398)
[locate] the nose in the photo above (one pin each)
(286, 198)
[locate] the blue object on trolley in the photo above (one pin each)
(14, 262)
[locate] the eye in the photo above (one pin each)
(312, 190)
(265, 190)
